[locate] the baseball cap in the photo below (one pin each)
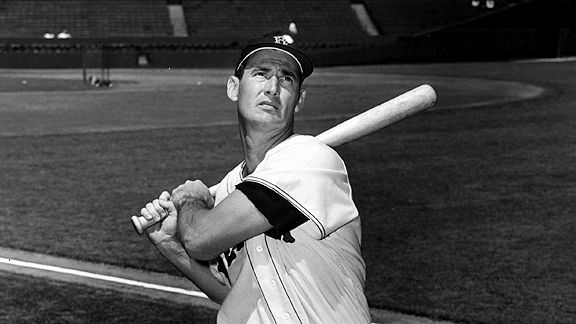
(283, 43)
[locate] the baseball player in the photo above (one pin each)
(281, 238)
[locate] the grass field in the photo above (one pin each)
(468, 210)
(66, 303)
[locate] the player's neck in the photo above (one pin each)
(257, 143)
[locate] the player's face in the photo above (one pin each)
(269, 92)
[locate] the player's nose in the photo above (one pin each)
(272, 86)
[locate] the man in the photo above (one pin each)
(282, 233)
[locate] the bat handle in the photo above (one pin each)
(141, 224)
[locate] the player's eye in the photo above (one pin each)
(259, 73)
(287, 79)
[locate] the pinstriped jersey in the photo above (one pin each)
(318, 275)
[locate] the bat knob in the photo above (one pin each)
(137, 225)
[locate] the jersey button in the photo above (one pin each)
(286, 316)
(273, 283)
(259, 248)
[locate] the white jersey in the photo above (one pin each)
(319, 277)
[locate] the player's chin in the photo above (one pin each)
(274, 125)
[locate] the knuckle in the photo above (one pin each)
(145, 214)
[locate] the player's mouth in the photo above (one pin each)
(269, 104)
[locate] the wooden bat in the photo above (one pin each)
(385, 114)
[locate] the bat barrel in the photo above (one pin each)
(385, 114)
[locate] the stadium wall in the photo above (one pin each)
(155, 52)
(454, 45)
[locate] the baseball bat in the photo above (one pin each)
(385, 114)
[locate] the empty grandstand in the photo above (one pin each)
(189, 33)
(84, 18)
(415, 17)
(329, 20)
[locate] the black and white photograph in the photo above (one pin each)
(288, 161)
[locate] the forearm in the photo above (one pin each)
(205, 233)
(197, 272)
(190, 228)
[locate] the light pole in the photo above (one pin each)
(488, 4)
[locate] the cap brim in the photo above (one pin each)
(305, 64)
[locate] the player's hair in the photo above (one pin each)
(240, 71)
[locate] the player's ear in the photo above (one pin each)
(232, 88)
(300, 104)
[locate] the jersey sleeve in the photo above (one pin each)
(312, 178)
(279, 212)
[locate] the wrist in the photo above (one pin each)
(192, 201)
(160, 239)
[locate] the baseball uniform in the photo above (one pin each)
(308, 268)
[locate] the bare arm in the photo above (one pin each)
(197, 272)
(205, 232)
(163, 237)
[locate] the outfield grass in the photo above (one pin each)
(48, 302)
(468, 214)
